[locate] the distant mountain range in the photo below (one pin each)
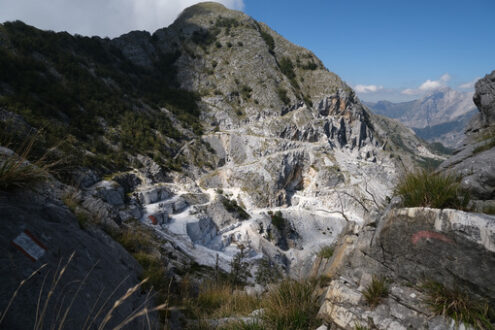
(439, 116)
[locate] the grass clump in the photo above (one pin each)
(459, 305)
(16, 172)
(490, 209)
(233, 207)
(218, 299)
(487, 146)
(242, 325)
(290, 305)
(376, 291)
(326, 252)
(427, 189)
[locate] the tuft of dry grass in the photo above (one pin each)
(290, 305)
(218, 299)
(17, 172)
(427, 189)
(459, 305)
(376, 291)
(45, 306)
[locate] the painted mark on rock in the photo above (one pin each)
(153, 219)
(429, 235)
(29, 245)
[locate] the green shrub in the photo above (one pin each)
(267, 272)
(282, 94)
(376, 291)
(278, 221)
(226, 22)
(459, 305)
(233, 207)
(268, 39)
(326, 252)
(287, 69)
(246, 92)
(290, 305)
(239, 268)
(310, 66)
(427, 189)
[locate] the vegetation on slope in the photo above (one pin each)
(427, 189)
(84, 90)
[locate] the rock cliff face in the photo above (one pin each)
(413, 247)
(475, 162)
(408, 248)
(98, 267)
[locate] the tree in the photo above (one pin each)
(239, 267)
(267, 272)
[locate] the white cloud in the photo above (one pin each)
(95, 17)
(367, 88)
(445, 77)
(469, 84)
(410, 91)
(428, 85)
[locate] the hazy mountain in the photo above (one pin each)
(439, 116)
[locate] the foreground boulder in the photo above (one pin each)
(408, 248)
(36, 230)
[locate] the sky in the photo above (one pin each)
(396, 50)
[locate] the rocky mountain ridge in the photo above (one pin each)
(439, 116)
(279, 132)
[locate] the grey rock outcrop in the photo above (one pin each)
(408, 247)
(98, 266)
(475, 162)
(484, 98)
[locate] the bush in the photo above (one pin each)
(268, 39)
(459, 306)
(282, 94)
(290, 305)
(233, 207)
(427, 189)
(246, 92)
(267, 272)
(326, 252)
(278, 221)
(376, 291)
(239, 268)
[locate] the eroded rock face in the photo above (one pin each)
(408, 247)
(475, 162)
(484, 98)
(96, 255)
